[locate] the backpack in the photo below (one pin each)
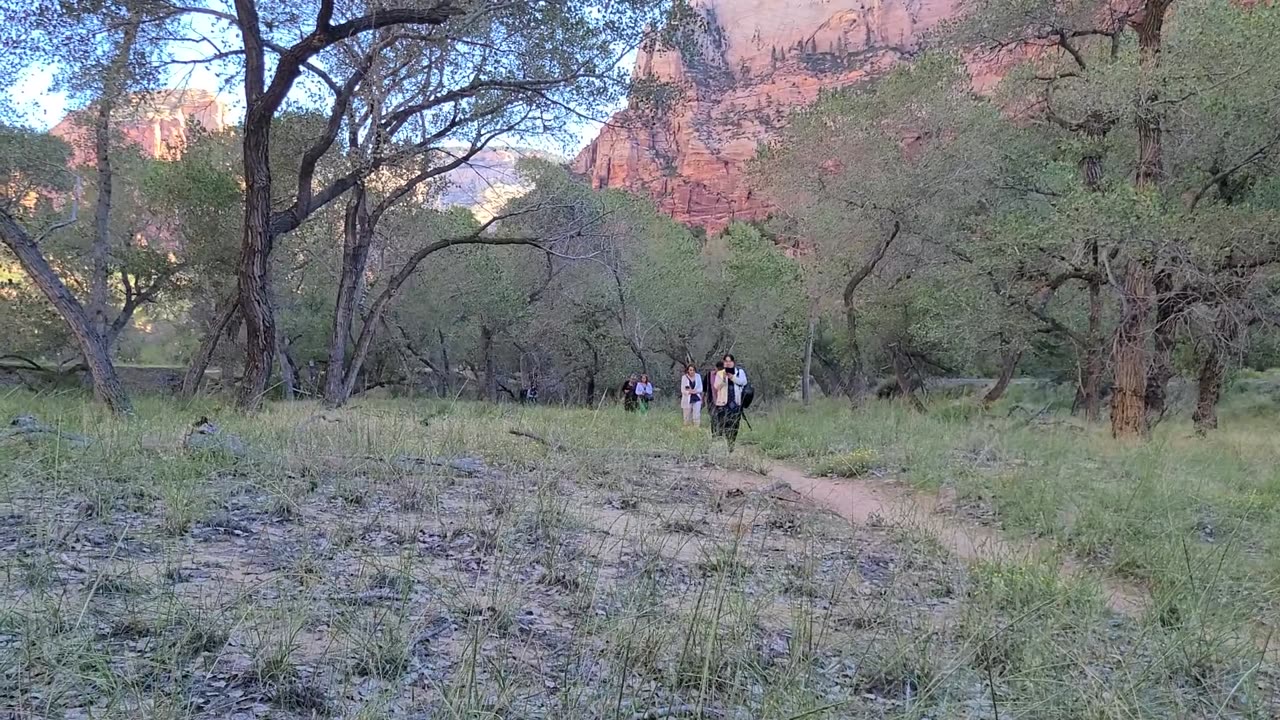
(747, 395)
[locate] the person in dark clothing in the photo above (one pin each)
(629, 399)
(726, 397)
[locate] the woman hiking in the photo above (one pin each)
(691, 396)
(726, 398)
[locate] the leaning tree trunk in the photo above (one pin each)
(254, 270)
(1129, 356)
(856, 383)
(204, 353)
(1008, 364)
(356, 239)
(92, 345)
(1209, 390)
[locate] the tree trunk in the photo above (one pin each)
(101, 248)
(1165, 336)
(208, 344)
(446, 375)
(807, 379)
(1008, 364)
(1128, 402)
(92, 345)
(903, 378)
(254, 271)
(1092, 368)
(490, 373)
(288, 373)
(355, 252)
(1095, 128)
(1149, 25)
(394, 283)
(850, 378)
(1091, 385)
(592, 372)
(1209, 390)
(100, 251)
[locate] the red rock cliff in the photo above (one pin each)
(156, 122)
(755, 61)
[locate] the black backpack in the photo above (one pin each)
(746, 395)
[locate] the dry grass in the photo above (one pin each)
(330, 574)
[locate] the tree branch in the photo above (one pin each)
(870, 265)
(1253, 157)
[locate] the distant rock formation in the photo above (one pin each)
(156, 122)
(159, 124)
(751, 64)
(490, 180)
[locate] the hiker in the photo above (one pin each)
(708, 382)
(629, 402)
(691, 396)
(531, 393)
(726, 392)
(644, 392)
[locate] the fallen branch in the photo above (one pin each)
(32, 364)
(536, 438)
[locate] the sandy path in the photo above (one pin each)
(861, 500)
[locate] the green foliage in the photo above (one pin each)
(33, 165)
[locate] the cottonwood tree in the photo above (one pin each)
(99, 52)
(1176, 102)
(525, 72)
(36, 171)
(628, 290)
(929, 158)
(474, 48)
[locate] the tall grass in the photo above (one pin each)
(335, 570)
(1195, 519)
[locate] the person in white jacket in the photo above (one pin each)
(691, 396)
(726, 400)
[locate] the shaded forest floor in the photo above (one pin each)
(417, 559)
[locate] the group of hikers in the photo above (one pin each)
(729, 395)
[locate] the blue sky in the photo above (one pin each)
(41, 107)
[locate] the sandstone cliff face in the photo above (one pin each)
(157, 123)
(752, 63)
(490, 180)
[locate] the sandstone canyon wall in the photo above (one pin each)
(752, 63)
(155, 122)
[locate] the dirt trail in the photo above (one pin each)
(861, 501)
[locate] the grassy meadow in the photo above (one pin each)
(415, 558)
